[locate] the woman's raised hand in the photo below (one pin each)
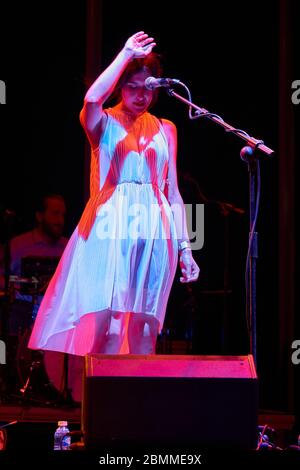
(139, 45)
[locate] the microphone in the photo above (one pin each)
(151, 82)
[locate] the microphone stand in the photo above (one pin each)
(249, 155)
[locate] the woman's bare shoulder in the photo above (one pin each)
(169, 126)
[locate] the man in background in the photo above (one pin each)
(42, 246)
(46, 239)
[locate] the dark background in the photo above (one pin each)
(229, 57)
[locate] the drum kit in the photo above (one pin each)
(42, 377)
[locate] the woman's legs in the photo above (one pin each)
(101, 326)
(115, 334)
(142, 333)
(109, 332)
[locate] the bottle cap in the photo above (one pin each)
(62, 423)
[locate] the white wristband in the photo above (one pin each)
(184, 245)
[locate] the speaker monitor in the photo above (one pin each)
(210, 401)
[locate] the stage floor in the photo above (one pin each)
(37, 415)
(30, 440)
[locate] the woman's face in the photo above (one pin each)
(136, 98)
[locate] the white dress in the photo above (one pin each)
(123, 254)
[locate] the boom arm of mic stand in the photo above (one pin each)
(251, 141)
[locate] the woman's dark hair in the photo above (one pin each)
(151, 64)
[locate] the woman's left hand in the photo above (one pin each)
(189, 268)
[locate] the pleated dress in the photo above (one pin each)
(123, 254)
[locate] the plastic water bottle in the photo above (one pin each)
(61, 441)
